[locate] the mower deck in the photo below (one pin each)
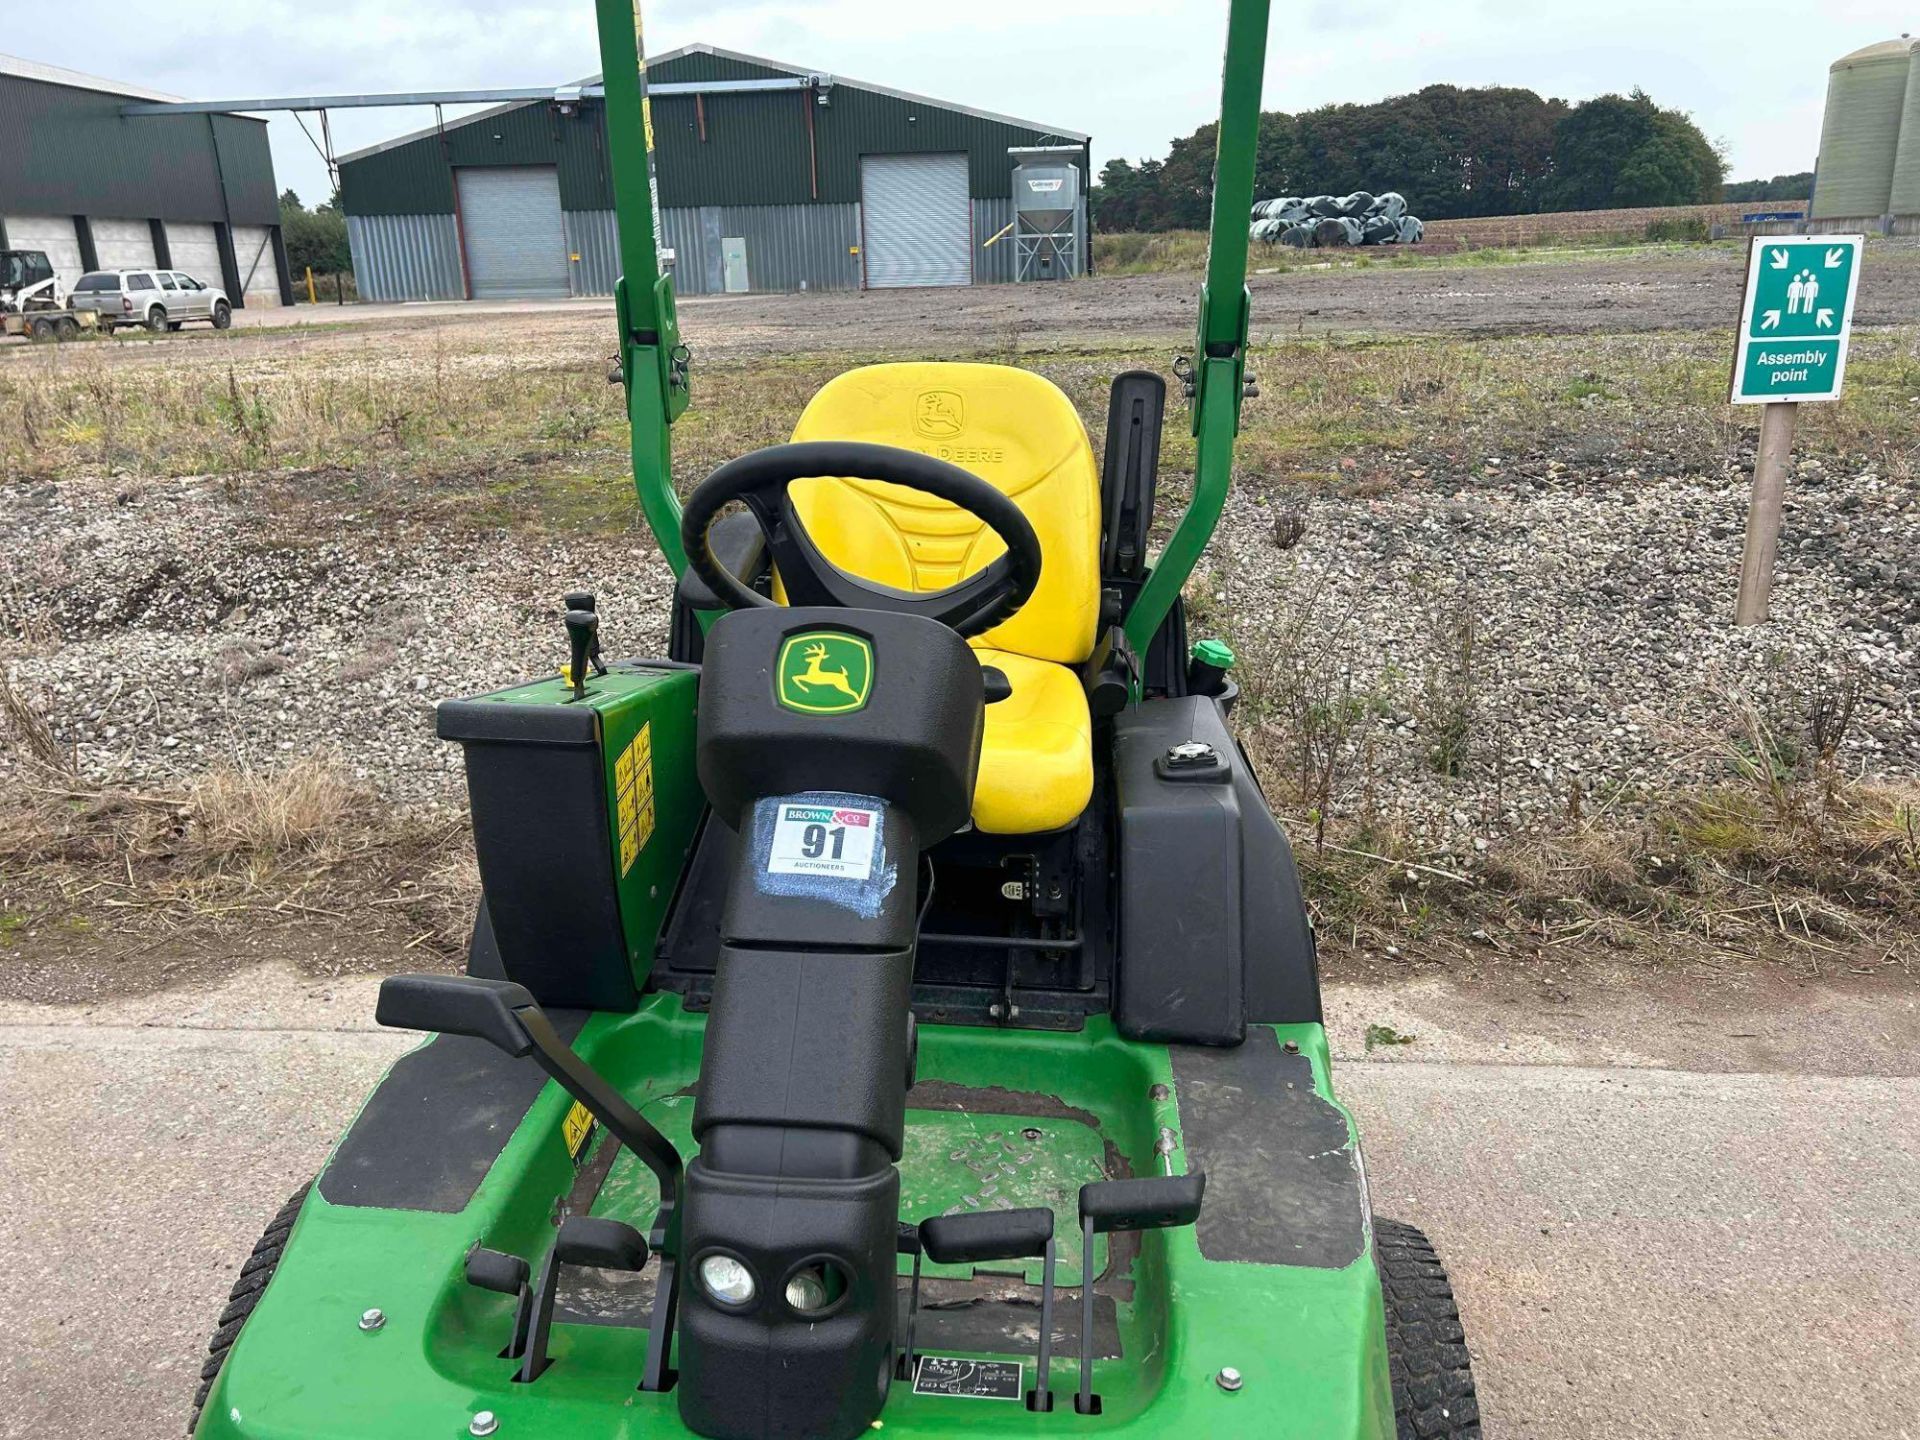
(1277, 1281)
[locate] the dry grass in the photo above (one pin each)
(1806, 868)
(231, 849)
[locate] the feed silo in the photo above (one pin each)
(1906, 161)
(1047, 209)
(1866, 93)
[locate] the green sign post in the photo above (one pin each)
(1792, 346)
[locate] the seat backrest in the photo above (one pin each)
(1013, 429)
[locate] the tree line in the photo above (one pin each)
(1453, 152)
(315, 238)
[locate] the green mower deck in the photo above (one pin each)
(1296, 1310)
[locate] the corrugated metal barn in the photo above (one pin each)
(99, 190)
(821, 184)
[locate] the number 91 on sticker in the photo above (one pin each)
(833, 840)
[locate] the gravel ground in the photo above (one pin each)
(203, 623)
(1604, 654)
(198, 630)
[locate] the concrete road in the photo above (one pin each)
(1639, 1252)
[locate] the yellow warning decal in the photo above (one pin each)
(633, 786)
(578, 1129)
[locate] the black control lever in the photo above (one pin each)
(1155, 1202)
(584, 600)
(908, 1243)
(999, 1235)
(583, 1240)
(505, 1016)
(583, 634)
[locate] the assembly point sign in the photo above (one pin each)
(1793, 326)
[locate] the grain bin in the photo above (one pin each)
(1866, 93)
(1906, 162)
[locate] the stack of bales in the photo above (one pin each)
(1870, 137)
(1361, 218)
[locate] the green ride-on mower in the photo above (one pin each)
(893, 1010)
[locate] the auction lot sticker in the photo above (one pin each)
(831, 840)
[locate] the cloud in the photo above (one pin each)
(1134, 73)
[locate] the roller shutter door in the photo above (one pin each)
(123, 244)
(916, 220)
(195, 251)
(53, 234)
(510, 219)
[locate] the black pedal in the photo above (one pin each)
(984, 1235)
(1152, 1202)
(504, 1274)
(602, 1244)
(583, 1240)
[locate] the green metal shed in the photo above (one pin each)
(771, 177)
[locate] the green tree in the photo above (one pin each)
(1620, 151)
(1797, 187)
(314, 238)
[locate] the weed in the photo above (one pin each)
(1378, 1035)
(1449, 695)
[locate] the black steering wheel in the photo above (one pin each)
(760, 480)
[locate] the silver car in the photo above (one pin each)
(155, 299)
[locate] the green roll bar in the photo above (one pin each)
(654, 365)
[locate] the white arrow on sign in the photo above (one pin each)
(1824, 319)
(1771, 321)
(1836, 257)
(1779, 259)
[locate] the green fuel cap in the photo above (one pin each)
(1214, 652)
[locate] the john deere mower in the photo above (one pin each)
(893, 1009)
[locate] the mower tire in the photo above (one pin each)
(1433, 1396)
(246, 1293)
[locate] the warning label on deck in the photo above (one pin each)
(633, 784)
(969, 1379)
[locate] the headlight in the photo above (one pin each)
(816, 1287)
(727, 1280)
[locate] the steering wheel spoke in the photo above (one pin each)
(761, 482)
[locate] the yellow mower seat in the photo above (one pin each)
(1018, 432)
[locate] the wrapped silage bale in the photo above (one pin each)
(1369, 219)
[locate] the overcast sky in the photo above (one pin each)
(1133, 73)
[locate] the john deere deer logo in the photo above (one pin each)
(824, 672)
(939, 414)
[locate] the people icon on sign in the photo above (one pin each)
(1802, 291)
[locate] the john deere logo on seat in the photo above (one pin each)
(824, 672)
(939, 414)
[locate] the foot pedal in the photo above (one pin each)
(504, 1275)
(999, 1235)
(583, 1240)
(1151, 1203)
